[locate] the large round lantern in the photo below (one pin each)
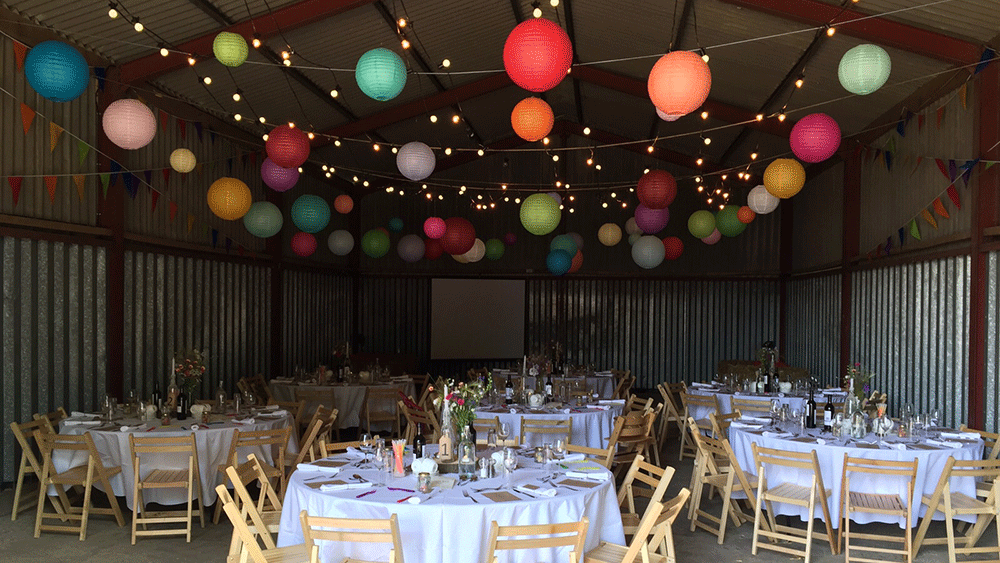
(665, 116)
(129, 123)
(673, 247)
(657, 189)
(459, 236)
(712, 238)
(532, 119)
(578, 239)
(375, 243)
(278, 178)
(229, 48)
(410, 248)
(609, 234)
(477, 252)
(864, 69)
(263, 219)
(229, 198)
(648, 252)
(310, 213)
(745, 215)
(556, 197)
(380, 74)
(434, 227)
(701, 223)
(564, 242)
(634, 237)
(494, 249)
(651, 221)
(815, 138)
(631, 227)
(728, 223)
(57, 71)
(340, 242)
(540, 214)
(537, 54)
(559, 262)
(784, 177)
(432, 250)
(395, 224)
(304, 244)
(510, 239)
(415, 160)
(577, 262)
(183, 160)
(287, 146)
(761, 202)
(343, 204)
(679, 83)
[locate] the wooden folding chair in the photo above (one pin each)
(693, 403)
(539, 536)
(334, 448)
(30, 464)
(263, 515)
(790, 493)
(152, 448)
(260, 389)
(548, 428)
(310, 446)
(953, 503)
(298, 411)
(354, 531)
(718, 469)
(672, 409)
(653, 541)
(380, 406)
(94, 471)
(890, 504)
(606, 456)
(54, 417)
(269, 553)
(624, 386)
(990, 439)
(259, 441)
(636, 403)
(720, 423)
(641, 480)
(634, 437)
(423, 420)
(750, 406)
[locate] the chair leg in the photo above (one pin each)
(113, 501)
(87, 488)
(17, 490)
(136, 501)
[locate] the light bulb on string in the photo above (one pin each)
(394, 149)
(447, 151)
(759, 117)
(704, 115)
(699, 161)
(138, 26)
(433, 118)
(480, 152)
(753, 156)
(401, 22)
(207, 80)
(237, 95)
(830, 31)
(597, 166)
(555, 158)
(446, 63)
(604, 205)
(456, 118)
(112, 10)
(312, 136)
(164, 52)
(537, 11)
(586, 130)
(545, 141)
(336, 143)
(191, 61)
(237, 117)
(334, 93)
(256, 41)
(365, 183)
(405, 43)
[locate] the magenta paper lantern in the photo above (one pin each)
(459, 236)
(304, 244)
(537, 54)
(815, 138)
(434, 227)
(657, 189)
(287, 146)
(278, 178)
(129, 124)
(651, 221)
(510, 239)
(712, 238)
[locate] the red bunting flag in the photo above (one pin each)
(173, 211)
(953, 195)
(15, 187)
(940, 210)
(929, 218)
(920, 121)
(182, 125)
(164, 120)
(940, 116)
(79, 180)
(155, 197)
(962, 91)
(942, 167)
(27, 116)
(50, 184)
(166, 175)
(20, 51)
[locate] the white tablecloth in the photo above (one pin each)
(604, 385)
(347, 399)
(831, 462)
(213, 443)
(591, 427)
(449, 527)
(794, 402)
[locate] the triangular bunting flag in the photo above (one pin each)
(891, 145)
(50, 185)
(969, 166)
(878, 251)
(101, 73)
(130, 187)
(149, 177)
(197, 128)
(215, 238)
(190, 222)
(952, 170)
(166, 175)
(164, 120)
(27, 116)
(20, 51)
(901, 128)
(940, 210)
(888, 245)
(985, 60)
(953, 196)
(940, 116)
(105, 181)
(941, 166)
(182, 125)
(15, 187)
(888, 161)
(155, 196)
(80, 180)
(115, 169)
(173, 211)
(963, 90)
(914, 229)
(211, 135)
(902, 236)
(929, 218)
(920, 121)
(82, 150)
(55, 132)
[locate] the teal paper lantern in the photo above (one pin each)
(310, 213)
(540, 214)
(701, 223)
(564, 242)
(494, 249)
(864, 69)
(263, 220)
(375, 243)
(380, 74)
(559, 262)
(230, 49)
(57, 71)
(728, 222)
(395, 224)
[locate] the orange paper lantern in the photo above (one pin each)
(229, 198)
(343, 204)
(745, 215)
(532, 119)
(679, 83)
(784, 177)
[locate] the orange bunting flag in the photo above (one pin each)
(27, 116)
(190, 222)
(50, 184)
(940, 210)
(55, 131)
(79, 180)
(962, 92)
(929, 218)
(20, 51)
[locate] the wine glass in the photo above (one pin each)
(491, 438)
(797, 420)
(775, 408)
(935, 417)
(504, 432)
(880, 422)
(509, 463)
(561, 447)
(365, 443)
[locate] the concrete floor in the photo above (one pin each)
(107, 543)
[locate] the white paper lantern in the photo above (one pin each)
(648, 252)
(761, 201)
(129, 123)
(476, 253)
(183, 160)
(415, 160)
(411, 248)
(340, 242)
(631, 227)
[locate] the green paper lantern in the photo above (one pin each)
(701, 223)
(728, 222)
(380, 74)
(494, 249)
(310, 213)
(540, 214)
(263, 220)
(375, 243)
(230, 49)
(864, 69)
(564, 242)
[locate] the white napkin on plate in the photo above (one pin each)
(78, 414)
(513, 411)
(821, 441)
(244, 420)
(269, 408)
(612, 402)
(897, 446)
(831, 390)
(600, 407)
(960, 435)
(319, 468)
(736, 424)
(329, 488)
(573, 457)
(744, 419)
(603, 374)
(535, 491)
(276, 414)
(945, 444)
(139, 428)
(777, 435)
(87, 422)
(703, 385)
(597, 475)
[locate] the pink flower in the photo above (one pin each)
(460, 402)
(857, 365)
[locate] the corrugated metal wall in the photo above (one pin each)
(177, 303)
(395, 315)
(992, 370)
(317, 315)
(910, 325)
(813, 326)
(54, 332)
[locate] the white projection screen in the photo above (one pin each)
(477, 319)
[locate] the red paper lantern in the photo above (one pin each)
(537, 54)
(432, 249)
(679, 83)
(577, 262)
(434, 227)
(287, 146)
(657, 189)
(343, 204)
(745, 215)
(674, 247)
(304, 244)
(459, 236)
(532, 119)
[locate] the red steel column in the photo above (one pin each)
(850, 234)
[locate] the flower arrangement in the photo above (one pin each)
(189, 366)
(862, 380)
(342, 354)
(462, 398)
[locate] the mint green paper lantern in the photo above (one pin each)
(728, 222)
(564, 242)
(540, 214)
(494, 249)
(701, 223)
(380, 74)
(375, 243)
(310, 213)
(263, 220)
(864, 69)
(229, 48)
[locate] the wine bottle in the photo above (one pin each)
(508, 391)
(548, 389)
(767, 383)
(828, 414)
(182, 406)
(155, 398)
(419, 441)
(811, 410)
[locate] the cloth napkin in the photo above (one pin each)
(317, 468)
(597, 475)
(329, 488)
(736, 424)
(960, 435)
(604, 374)
(601, 407)
(777, 435)
(760, 419)
(87, 422)
(78, 414)
(574, 457)
(945, 444)
(612, 402)
(703, 385)
(900, 447)
(831, 390)
(533, 491)
(138, 428)
(269, 408)
(244, 420)
(821, 441)
(276, 414)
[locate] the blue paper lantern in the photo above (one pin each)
(57, 71)
(395, 224)
(380, 74)
(559, 262)
(311, 213)
(263, 220)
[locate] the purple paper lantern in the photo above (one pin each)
(815, 138)
(651, 221)
(278, 178)
(712, 238)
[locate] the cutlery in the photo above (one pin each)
(401, 490)
(466, 494)
(368, 493)
(404, 499)
(487, 489)
(360, 478)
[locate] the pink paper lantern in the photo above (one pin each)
(304, 244)
(278, 178)
(815, 138)
(657, 189)
(459, 236)
(287, 146)
(712, 238)
(129, 124)
(537, 54)
(434, 227)
(651, 221)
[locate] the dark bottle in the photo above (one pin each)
(508, 391)
(548, 389)
(182, 406)
(419, 441)
(767, 383)
(811, 410)
(155, 397)
(828, 414)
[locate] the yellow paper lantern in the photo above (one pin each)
(609, 234)
(784, 177)
(229, 198)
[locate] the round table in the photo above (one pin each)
(449, 526)
(931, 462)
(794, 401)
(212, 442)
(591, 426)
(347, 398)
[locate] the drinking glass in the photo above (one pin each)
(561, 447)
(935, 417)
(504, 431)
(491, 438)
(907, 411)
(797, 420)
(509, 462)
(775, 408)
(365, 443)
